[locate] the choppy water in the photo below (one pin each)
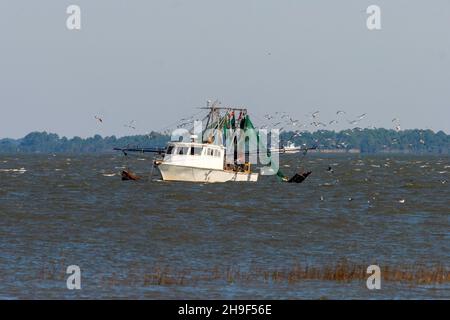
(71, 209)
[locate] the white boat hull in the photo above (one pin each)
(170, 172)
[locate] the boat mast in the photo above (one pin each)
(214, 114)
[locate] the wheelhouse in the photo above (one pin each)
(195, 155)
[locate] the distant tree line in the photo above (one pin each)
(43, 142)
(374, 140)
(362, 140)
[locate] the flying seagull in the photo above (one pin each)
(362, 116)
(130, 124)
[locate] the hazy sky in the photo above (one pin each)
(155, 61)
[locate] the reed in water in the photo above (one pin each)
(341, 272)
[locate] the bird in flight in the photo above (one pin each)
(130, 125)
(362, 116)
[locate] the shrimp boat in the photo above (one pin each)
(289, 148)
(202, 155)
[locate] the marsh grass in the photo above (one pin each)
(343, 271)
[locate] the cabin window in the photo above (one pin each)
(196, 151)
(169, 150)
(183, 150)
(210, 152)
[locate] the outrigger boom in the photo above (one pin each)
(158, 150)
